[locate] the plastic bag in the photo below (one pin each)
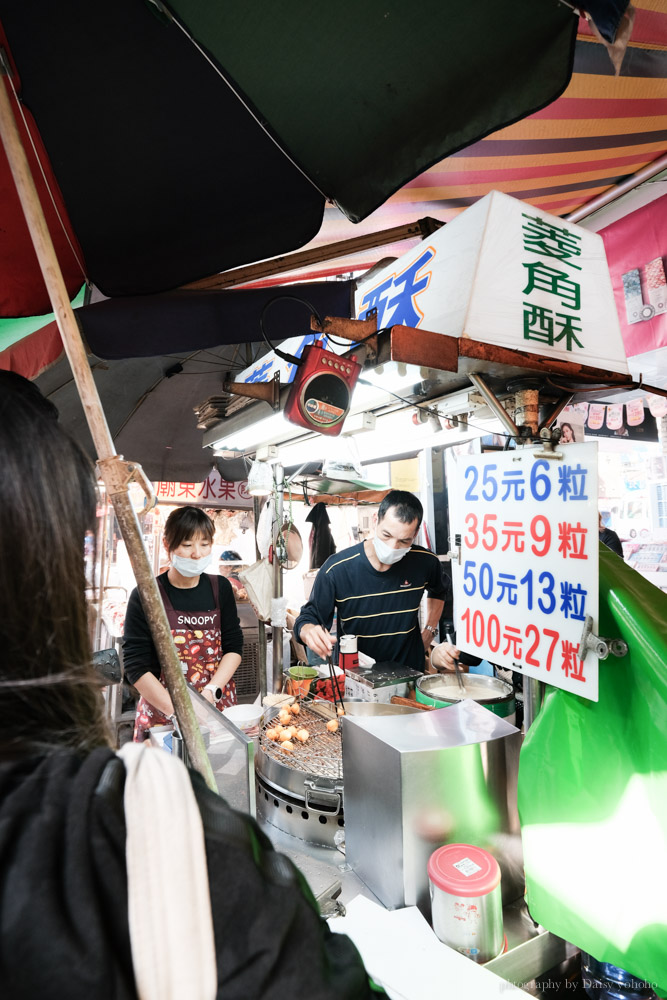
(593, 792)
(264, 529)
(258, 580)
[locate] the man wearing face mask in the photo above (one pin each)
(376, 587)
(202, 616)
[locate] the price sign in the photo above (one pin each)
(528, 570)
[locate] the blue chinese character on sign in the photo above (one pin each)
(376, 299)
(399, 309)
(513, 481)
(260, 374)
(573, 601)
(508, 585)
(572, 482)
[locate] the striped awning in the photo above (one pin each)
(602, 130)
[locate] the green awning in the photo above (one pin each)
(14, 329)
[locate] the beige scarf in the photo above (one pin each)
(169, 905)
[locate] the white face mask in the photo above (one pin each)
(190, 567)
(387, 555)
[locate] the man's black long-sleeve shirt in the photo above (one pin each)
(381, 609)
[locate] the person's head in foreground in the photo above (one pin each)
(49, 695)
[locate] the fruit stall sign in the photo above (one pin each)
(528, 570)
(213, 492)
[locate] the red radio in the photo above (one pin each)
(322, 389)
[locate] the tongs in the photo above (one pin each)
(459, 672)
(457, 666)
(335, 690)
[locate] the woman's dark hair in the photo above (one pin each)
(184, 523)
(49, 693)
(405, 506)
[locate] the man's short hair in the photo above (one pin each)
(405, 506)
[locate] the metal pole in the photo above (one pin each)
(533, 696)
(115, 473)
(630, 184)
(526, 412)
(277, 630)
(494, 405)
(261, 627)
(100, 563)
(426, 494)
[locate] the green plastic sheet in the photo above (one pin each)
(593, 792)
(16, 328)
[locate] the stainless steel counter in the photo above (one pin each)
(322, 867)
(531, 951)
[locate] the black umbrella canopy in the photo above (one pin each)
(150, 413)
(191, 137)
(165, 175)
(149, 396)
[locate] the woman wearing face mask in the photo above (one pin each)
(376, 588)
(202, 614)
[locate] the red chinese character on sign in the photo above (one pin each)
(207, 490)
(227, 490)
(166, 490)
(187, 490)
(572, 540)
(243, 490)
(512, 531)
(513, 637)
(572, 665)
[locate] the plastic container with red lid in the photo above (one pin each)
(466, 902)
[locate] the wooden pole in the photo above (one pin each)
(314, 255)
(115, 473)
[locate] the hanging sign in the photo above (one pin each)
(528, 570)
(405, 475)
(508, 274)
(615, 416)
(634, 410)
(636, 246)
(213, 492)
(657, 405)
(596, 413)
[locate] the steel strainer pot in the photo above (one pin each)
(443, 689)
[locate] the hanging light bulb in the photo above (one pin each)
(260, 479)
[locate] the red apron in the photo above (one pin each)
(198, 643)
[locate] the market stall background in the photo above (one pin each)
(210, 256)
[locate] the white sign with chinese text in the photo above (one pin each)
(528, 570)
(508, 274)
(213, 492)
